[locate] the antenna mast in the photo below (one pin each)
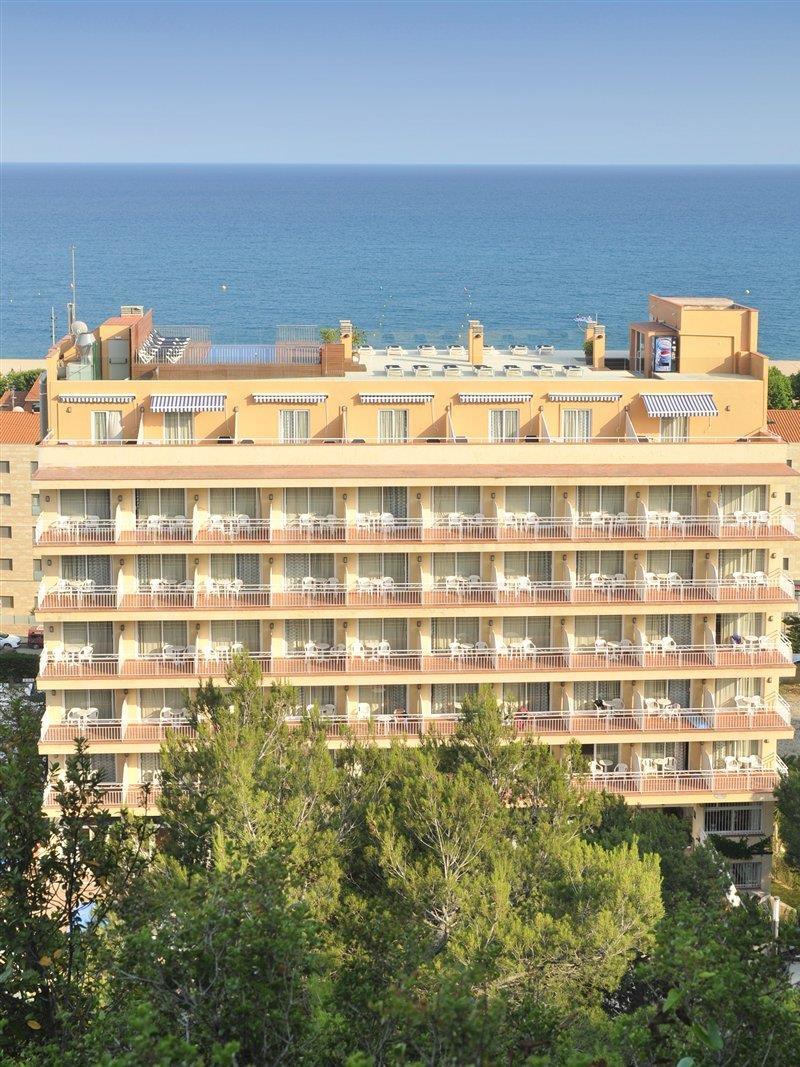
(72, 305)
(53, 325)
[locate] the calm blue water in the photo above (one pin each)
(404, 251)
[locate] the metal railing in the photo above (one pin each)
(67, 531)
(706, 781)
(746, 874)
(78, 599)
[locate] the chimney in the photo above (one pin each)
(596, 333)
(475, 342)
(346, 338)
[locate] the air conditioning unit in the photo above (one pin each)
(132, 309)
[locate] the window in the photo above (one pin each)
(78, 503)
(392, 425)
(678, 690)
(102, 699)
(734, 498)
(384, 565)
(246, 566)
(736, 749)
(318, 502)
(746, 560)
(392, 499)
(732, 818)
(34, 467)
(234, 502)
(170, 503)
(5, 499)
(106, 766)
(463, 630)
(373, 631)
(538, 566)
(315, 696)
(671, 561)
(787, 498)
(100, 635)
(154, 635)
(534, 628)
(5, 466)
(178, 427)
(246, 633)
(300, 631)
(81, 568)
(576, 424)
(5, 531)
(678, 498)
(382, 699)
(447, 698)
(586, 694)
(607, 498)
(674, 428)
(150, 768)
(153, 701)
(525, 498)
(610, 753)
(6, 602)
(609, 563)
(6, 564)
(107, 426)
(678, 627)
(300, 565)
(504, 425)
(747, 623)
(172, 568)
(293, 427)
(456, 564)
(36, 506)
(591, 628)
(461, 499)
(786, 563)
(521, 697)
(726, 690)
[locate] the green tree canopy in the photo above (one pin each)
(779, 390)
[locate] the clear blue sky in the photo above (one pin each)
(458, 82)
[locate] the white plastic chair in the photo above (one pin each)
(357, 650)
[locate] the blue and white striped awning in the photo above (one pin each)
(494, 398)
(395, 398)
(289, 398)
(97, 398)
(673, 405)
(590, 398)
(168, 402)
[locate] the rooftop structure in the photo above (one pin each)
(391, 525)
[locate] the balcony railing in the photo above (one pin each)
(469, 660)
(385, 592)
(116, 795)
(111, 730)
(443, 529)
(628, 783)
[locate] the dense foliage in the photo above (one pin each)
(780, 389)
(18, 380)
(456, 903)
(787, 796)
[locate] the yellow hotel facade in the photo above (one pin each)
(598, 539)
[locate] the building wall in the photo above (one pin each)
(21, 582)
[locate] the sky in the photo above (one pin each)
(400, 82)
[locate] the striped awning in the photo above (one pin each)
(592, 398)
(167, 402)
(494, 398)
(395, 398)
(97, 398)
(289, 398)
(671, 405)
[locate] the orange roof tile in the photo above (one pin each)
(356, 474)
(35, 391)
(19, 427)
(785, 423)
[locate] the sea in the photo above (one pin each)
(407, 253)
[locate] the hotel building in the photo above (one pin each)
(597, 537)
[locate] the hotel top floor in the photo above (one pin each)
(692, 373)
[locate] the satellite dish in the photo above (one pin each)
(79, 327)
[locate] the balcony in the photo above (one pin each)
(116, 795)
(453, 591)
(708, 782)
(607, 657)
(100, 731)
(457, 528)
